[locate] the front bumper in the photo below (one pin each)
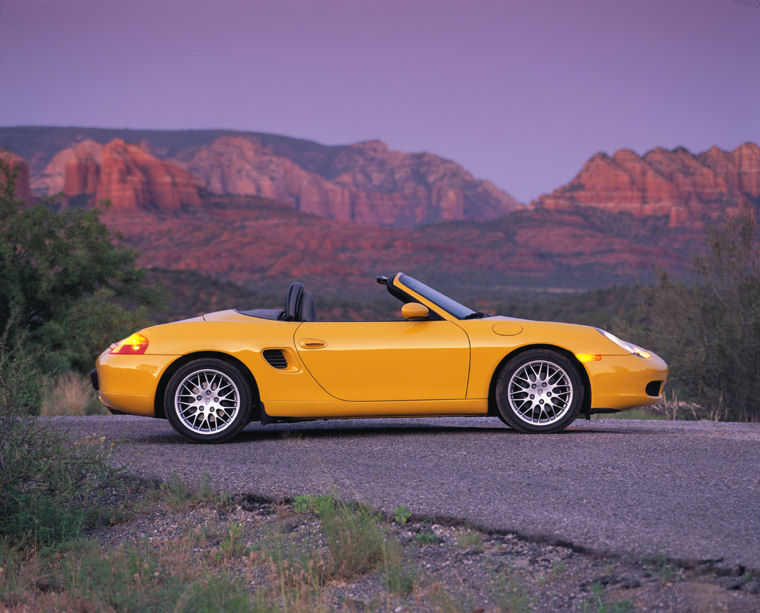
(623, 382)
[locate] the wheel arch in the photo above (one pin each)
(493, 411)
(158, 404)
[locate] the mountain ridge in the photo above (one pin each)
(363, 182)
(621, 216)
(691, 189)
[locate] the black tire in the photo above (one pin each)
(539, 390)
(208, 401)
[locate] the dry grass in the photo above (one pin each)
(673, 408)
(137, 577)
(70, 394)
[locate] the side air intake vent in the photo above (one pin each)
(276, 358)
(653, 388)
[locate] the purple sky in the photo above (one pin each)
(519, 92)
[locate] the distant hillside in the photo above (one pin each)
(261, 210)
(263, 244)
(364, 183)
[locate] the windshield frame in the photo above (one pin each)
(449, 305)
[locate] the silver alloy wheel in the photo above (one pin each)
(207, 401)
(540, 393)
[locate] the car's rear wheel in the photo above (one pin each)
(208, 401)
(539, 390)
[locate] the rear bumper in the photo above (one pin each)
(624, 382)
(128, 383)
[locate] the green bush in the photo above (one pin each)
(48, 487)
(49, 482)
(67, 284)
(19, 376)
(709, 330)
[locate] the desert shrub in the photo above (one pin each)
(19, 375)
(48, 481)
(709, 329)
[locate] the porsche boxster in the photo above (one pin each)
(211, 375)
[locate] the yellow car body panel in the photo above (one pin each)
(444, 366)
(393, 360)
(128, 383)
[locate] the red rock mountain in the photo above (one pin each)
(688, 189)
(128, 175)
(23, 190)
(614, 222)
(364, 183)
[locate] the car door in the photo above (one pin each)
(386, 361)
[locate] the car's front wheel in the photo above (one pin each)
(539, 390)
(208, 401)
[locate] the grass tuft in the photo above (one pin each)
(70, 394)
(179, 495)
(401, 514)
(398, 576)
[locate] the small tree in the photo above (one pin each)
(68, 287)
(710, 329)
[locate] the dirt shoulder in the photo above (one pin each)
(440, 568)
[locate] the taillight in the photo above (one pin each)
(136, 344)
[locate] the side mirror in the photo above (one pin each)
(414, 311)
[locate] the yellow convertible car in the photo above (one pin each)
(212, 375)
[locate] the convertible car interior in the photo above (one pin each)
(299, 306)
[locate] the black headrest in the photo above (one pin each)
(293, 300)
(308, 311)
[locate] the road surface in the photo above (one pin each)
(685, 490)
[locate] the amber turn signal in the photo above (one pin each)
(136, 344)
(588, 357)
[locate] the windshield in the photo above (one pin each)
(447, 304)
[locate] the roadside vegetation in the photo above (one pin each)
(190, 549)
(710, 329)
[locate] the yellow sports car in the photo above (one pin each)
(211, 375)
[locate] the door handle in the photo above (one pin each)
(312, 343)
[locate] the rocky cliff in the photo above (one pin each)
(688, 189)
(126, 174)
(365, 183)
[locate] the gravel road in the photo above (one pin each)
(689, 491)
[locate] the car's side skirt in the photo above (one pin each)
(407, 408)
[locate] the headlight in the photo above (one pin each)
(629, 347)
